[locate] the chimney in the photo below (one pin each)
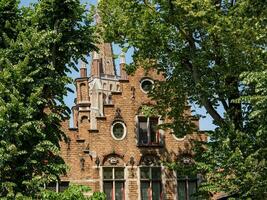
(96, 63)
(122, 67)
(83, 70)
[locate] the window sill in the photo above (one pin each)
(150, 145)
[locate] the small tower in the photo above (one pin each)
(81, 111)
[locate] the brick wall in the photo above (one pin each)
(88, 145)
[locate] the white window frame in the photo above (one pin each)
(124, 132)
(143, 80)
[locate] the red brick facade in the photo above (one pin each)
(102, 100)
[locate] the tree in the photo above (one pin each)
(39, 45)
(204, 48)
(74, 192)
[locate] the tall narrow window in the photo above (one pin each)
(83, 92)
(148, 134)
(113, 183)
(186, 188)
(151, 188)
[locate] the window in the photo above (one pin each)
(186, 188)
(57, 186)
(150, 178)
(148, 135)
(146, 85)
(118, 130)
(113, 183)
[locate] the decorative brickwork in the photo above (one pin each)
(102, 99)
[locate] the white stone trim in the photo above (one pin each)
(124, 132)
(146, 79)
(178, 139)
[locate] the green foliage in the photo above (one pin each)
(39, 45)
(98, 196)
(74, 192)
(213, 55)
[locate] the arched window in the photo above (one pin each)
(118, 87)
(83, 91)
(84, 119)
(104, 99)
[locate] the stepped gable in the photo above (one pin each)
(113, 147)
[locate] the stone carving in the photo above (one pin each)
(118, 114)
(82, 161)
(150, 160)
(113, 161)
(133, 92)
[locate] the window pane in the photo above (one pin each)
(52, 186)
(147, 85)
(144, 190)
(143, 136)
(145, 173)
(108, 190)
(118, 130)
(63, 186)
(181, 190)
(119, 190)
(192, 189)
(156, 190)
(119, 173)
(156, 173)
(107, 173)
(153, 122)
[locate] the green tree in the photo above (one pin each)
(74, 192)
(204, 48)
(39, 45)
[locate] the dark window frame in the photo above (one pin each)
(151, 137)
(58, 186)
(151, 181)
(186, 181)
(114, 180)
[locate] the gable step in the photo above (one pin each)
(101, 118)
(80, 140)
(93, 131)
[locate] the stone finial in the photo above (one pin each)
(118, 114)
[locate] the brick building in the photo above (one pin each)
(113, 147)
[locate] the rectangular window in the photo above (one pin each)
(151, 187)
(186, 188)
(57, 186)
(148, 134)
(113, 183)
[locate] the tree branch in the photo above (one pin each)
(204, 100)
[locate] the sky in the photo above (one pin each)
(205, 123)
